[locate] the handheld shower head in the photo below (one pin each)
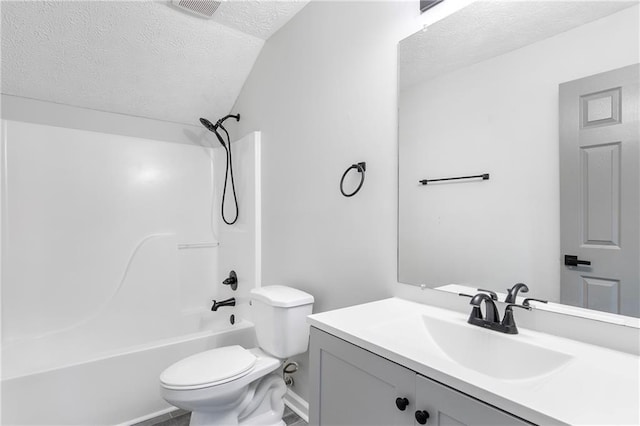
(229, 171)
(209, 125)
(214, 127)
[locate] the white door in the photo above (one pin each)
(600, 192)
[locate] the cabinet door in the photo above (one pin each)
(351, 386)
(448, 407)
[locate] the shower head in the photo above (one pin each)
(214, 127)
(209, 125)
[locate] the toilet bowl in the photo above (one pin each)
(232, 385)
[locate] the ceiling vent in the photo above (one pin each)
(202, 8)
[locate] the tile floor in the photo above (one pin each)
(292, 419)
(181, 418)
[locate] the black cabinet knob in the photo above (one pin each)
(402, 403)
(422, 417)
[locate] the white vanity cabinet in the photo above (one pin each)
(448, 407)
(352, 386)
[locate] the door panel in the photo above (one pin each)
(601, 295)
(600, 180)
(600, 191)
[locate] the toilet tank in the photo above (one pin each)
(280, 317)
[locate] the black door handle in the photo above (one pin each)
(402, 403)
(570, 260)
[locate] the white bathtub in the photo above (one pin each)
(115, 388)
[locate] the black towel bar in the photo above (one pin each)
(484, 176)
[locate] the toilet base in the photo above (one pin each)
(262, 404)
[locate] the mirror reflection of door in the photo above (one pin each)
(600, 192)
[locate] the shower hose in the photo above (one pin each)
(229, 172)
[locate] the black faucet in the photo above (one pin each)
(491, 312)
(491, 319)
(227, 302)
(513, 292)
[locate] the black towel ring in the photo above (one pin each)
(361, 167)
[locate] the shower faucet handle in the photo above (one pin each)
(232, 280)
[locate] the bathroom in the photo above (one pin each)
(102, 143)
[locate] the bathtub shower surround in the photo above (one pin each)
(95, 223)
(112, 253)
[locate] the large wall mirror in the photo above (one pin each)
(541, 96)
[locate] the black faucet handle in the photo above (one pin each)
(528, 299)
(508, 314)
(493, 294)
(476, 313)
(508, 323)
(515, 305)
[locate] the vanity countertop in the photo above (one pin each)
(598, 386)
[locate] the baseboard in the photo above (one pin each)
(297, 404)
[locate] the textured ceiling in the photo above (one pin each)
(486, 29)
(143, 58)
(257, 18)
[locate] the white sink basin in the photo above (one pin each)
(502, 356)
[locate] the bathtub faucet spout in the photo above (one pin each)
(227, 302)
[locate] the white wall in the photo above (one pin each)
(323, 92)
(499, 116)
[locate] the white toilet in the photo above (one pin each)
(236, 386)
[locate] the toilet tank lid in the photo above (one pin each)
(281, 296)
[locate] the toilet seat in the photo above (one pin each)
(209, 368)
